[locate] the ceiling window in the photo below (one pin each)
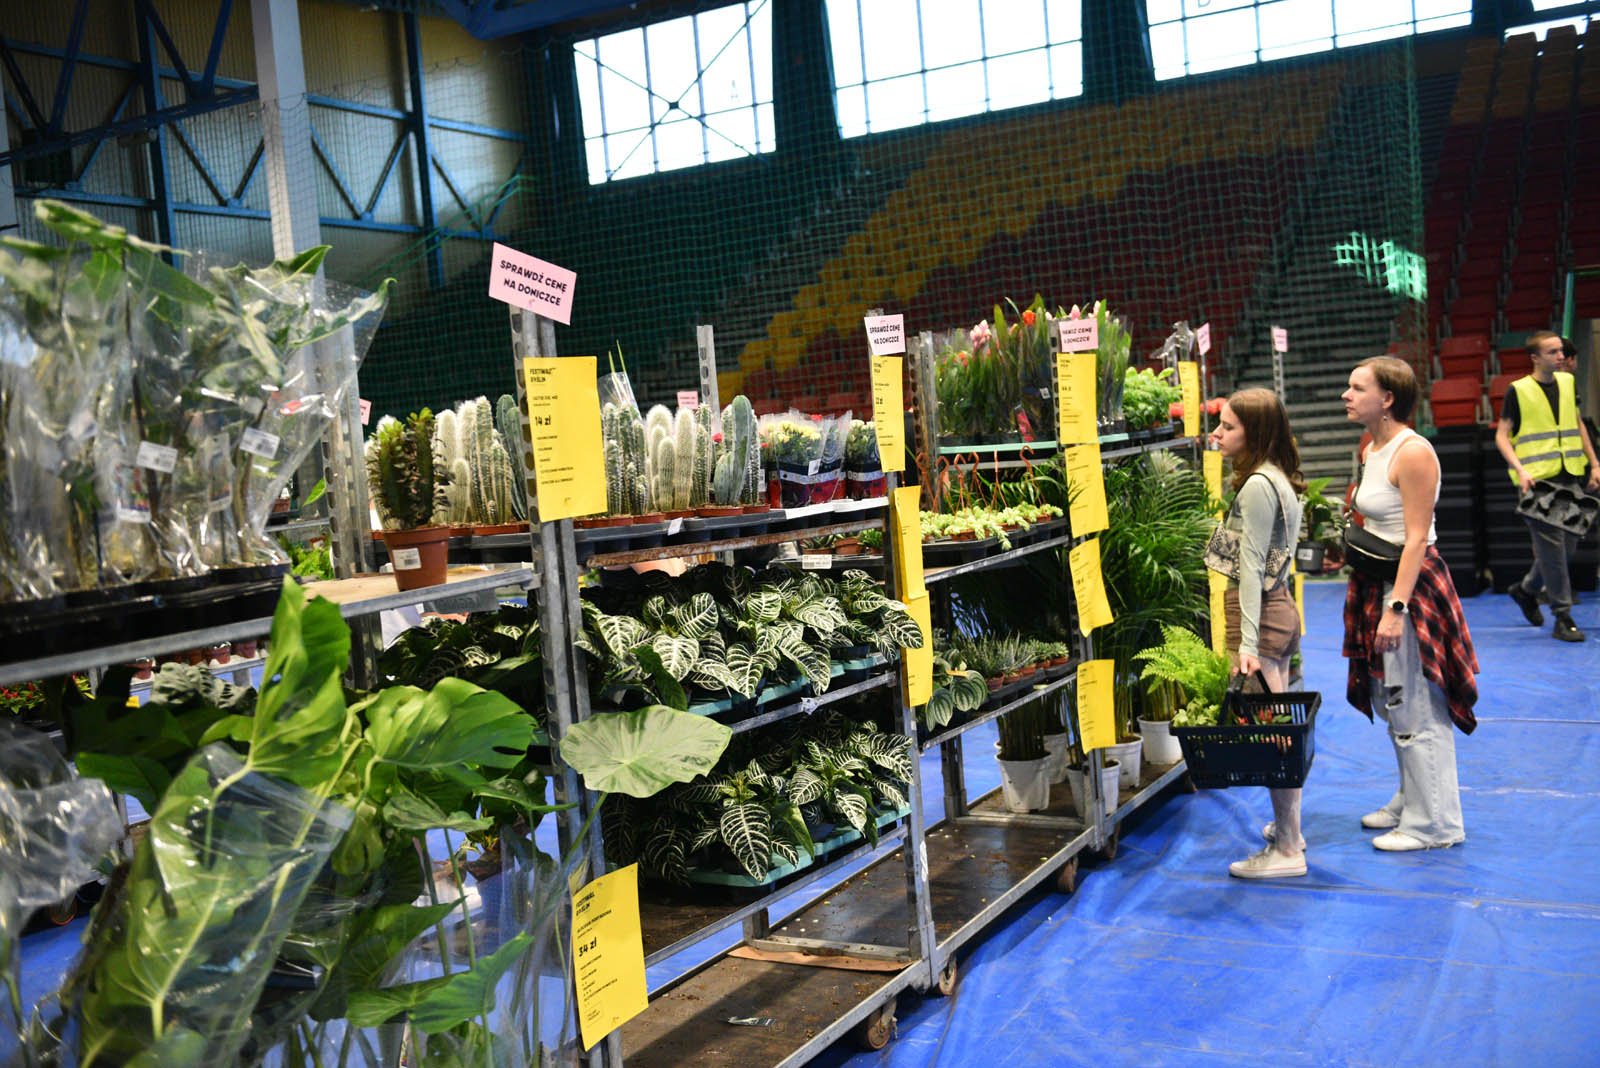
(679, 93)
(899, 63)
(1195, 36)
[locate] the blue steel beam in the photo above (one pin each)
(200, 162)
(208, 83)
(388, 169)
(190, 86)
(377, 112)
(116, 116)
(153, 104)
(14, 107)
(58, 110)
(185, 208)
(419, 131)
(333, 172)
(112, 63)
(30, 105)
(126, 126)
(249, 175)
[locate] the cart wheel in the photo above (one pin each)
(1188, 784)
(947, 978)
(874, 1032)
(1067, 877)
(1109, 850)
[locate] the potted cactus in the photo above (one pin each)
(628, 492)
(736, 467)
(680, 459)
(481, 491)
(405, 482)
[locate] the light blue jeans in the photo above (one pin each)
(1428, 802)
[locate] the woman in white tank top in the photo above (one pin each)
(1411, 658)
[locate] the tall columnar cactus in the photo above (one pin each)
(740, 448)
(508, 421)
(700, 487)
(664, 471)
(683, 442)
(628, 489)
(451, 498)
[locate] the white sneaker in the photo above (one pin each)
(1268, 864)
(1270, 833)
(1400, 842)
(1380, 820)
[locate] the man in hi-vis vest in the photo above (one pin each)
(1542, 437)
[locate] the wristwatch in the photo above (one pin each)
(1397, 606)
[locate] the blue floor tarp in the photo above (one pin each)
(1484, 954)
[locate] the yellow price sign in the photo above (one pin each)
(1088, 586)
(905, 530)
(919, 662)
(1189, 387)
(608, 954)
(1097, 720)
(1075, 403)
(564, 417)
(1219, 612)
(888, 410)
(1213, 466)
(1086, 486)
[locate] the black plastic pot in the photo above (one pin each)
(1308, 557)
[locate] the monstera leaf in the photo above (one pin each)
(640, 753)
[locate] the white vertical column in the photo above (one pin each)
(285, 127)
(291, 176)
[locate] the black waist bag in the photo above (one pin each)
(1369, 555)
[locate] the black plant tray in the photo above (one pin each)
(91, 618)
(947, 552)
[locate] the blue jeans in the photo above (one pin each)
(1428, 802)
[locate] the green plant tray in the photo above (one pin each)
(828, 845)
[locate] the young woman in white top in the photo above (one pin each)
(1263, 624)
(1411, 658)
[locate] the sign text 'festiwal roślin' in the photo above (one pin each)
(531, 284)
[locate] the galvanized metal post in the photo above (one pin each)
(706, 344)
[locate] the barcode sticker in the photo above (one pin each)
(407, 559)
(161, 458)
(259, 443)
(816, 561)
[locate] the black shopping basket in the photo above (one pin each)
(1261, 739)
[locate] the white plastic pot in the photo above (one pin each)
(1025, 784)
(1077, 782)
(1126, 754)
(1160, 747)
(1055, 745)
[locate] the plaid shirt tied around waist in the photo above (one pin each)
(1448, 659)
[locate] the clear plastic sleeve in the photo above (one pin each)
(180, 950)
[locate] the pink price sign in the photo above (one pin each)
(366, 411)
(689, 398)
(1280, 339)
(1079, 335)
(531, 284)
(1202, 338)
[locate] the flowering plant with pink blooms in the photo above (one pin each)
(993, 380)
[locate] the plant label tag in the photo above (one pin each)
(1219, 611)
(531, 284)
(816, 561)
(689, 398)
(258, 442)
(1088, 586)
(1079, 335)
(807, 705)
(886, 334)
(608, 954)
(161, 458)
(1096, 704)
(751, 1021)
(82, 425)
(407, 559)
(675, 526)
(919, 662)
(366, 411)
(812, 466)
(1189, 389)
(1202, 338)
(888, 410)
(1280, 339)
(1044, 394)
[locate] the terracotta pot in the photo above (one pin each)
(680, 513)
(425, 562)
(756, 509)
(650, 517)
(485, 529)
(245, 650)
(847, 547)
(1058, 661)
(965, 535)
(1023, 673)
(993, 684)
(711, 511)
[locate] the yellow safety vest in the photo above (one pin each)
(1547, 442)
